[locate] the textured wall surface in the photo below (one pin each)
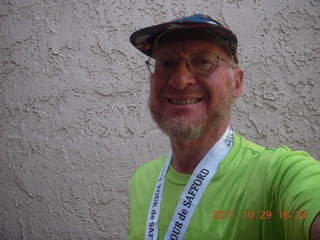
(74, 122)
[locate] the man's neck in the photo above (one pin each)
(187, 154)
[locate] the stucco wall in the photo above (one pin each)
(74, 122)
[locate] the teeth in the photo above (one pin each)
(183, 102)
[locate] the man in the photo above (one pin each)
(214, 184)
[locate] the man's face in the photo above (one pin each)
(185, 105)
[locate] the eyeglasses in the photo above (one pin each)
(201, 63)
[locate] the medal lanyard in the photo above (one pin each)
(192, 193)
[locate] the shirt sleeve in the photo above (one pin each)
(295, 182)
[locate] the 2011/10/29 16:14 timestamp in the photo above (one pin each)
(259, 214)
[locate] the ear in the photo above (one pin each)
(237, 82)
(151, 79)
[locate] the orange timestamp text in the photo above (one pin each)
(263, 214)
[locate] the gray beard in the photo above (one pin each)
(183, 129)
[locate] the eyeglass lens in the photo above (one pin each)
(199, 63)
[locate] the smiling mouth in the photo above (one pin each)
(184, 102)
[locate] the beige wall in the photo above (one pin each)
(74, 123)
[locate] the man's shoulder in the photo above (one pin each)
(150, 168)
(243, 144)
(281, 153)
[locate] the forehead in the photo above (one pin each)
(189, 40)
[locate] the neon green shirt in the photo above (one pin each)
(257, 193)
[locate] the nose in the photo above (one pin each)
(181, 76)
